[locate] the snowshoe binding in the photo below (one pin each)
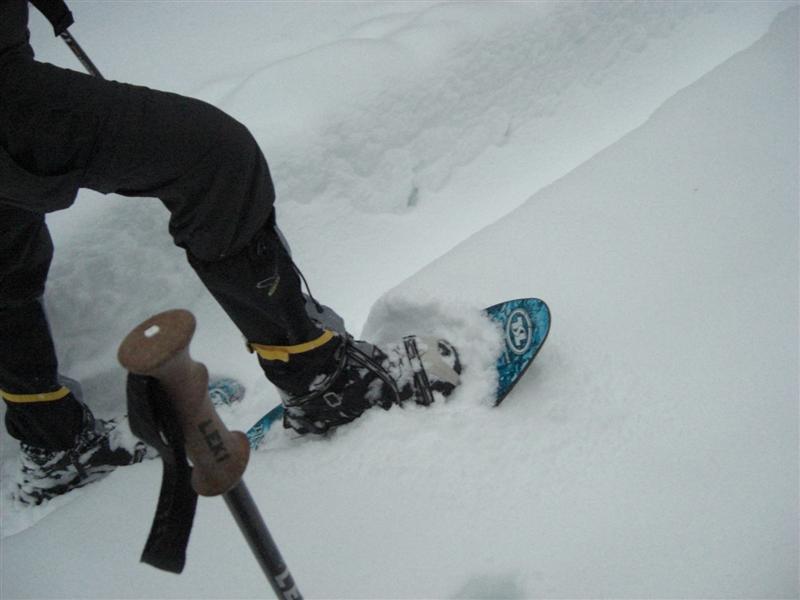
(332, 380)
(100, 447)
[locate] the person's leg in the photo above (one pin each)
(260, 290)
(210, 173)
(62, 130)
(202, 164)
(39, 410)
(62, 445)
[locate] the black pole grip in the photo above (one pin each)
(56, 12)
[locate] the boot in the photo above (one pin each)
(99, 448)
(333, 379)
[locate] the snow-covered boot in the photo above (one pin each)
(100, 447)
(332, 380)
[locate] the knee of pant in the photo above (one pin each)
(228, 195)
(231, 145)
(212, 143)
(242, 169)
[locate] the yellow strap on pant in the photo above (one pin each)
(31, 398)
(283, 353)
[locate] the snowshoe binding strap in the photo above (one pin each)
(422, 386)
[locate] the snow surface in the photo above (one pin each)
(634, 164)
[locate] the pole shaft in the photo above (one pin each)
(258, 537)
(80, 54)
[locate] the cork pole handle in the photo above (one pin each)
(159, 348)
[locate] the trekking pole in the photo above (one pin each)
(80, 54)
(61, 19)
(157, 353)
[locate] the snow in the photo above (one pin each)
(633, 164)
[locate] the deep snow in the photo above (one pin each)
(652, 451)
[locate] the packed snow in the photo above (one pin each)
(633, 164)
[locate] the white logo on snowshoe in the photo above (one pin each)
(519, 332)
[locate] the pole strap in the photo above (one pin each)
(153, 420)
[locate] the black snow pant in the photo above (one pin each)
(61, 131)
